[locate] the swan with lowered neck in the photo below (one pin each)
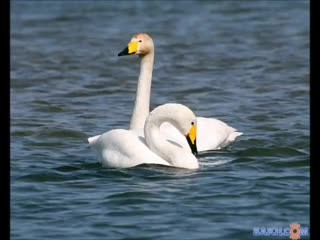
(121, 148)
(212, 133)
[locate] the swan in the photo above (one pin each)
(213, 134)
(121, 148)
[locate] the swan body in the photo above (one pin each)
(221, 134)
(121, 148)
(213, 134)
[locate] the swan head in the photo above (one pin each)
(187, 125)
(141, 44)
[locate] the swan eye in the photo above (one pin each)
(192, 123)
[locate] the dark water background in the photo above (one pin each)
(244, 62)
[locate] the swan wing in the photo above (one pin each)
(172, 135)
(121, 148)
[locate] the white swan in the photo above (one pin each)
(121, 148)
(212, 133)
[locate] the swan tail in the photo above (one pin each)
(231, 138)
(234, 135)
(93, 140)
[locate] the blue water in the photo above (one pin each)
(244, 62)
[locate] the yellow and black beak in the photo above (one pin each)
(191, 138)
(132, 48)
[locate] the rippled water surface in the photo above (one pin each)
(244, 62)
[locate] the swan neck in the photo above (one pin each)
(155, 141)
(142, 102)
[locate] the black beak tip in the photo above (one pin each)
(195, 152)
(124, 52)
(193, 147)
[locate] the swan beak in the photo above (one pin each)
(191, 138)
(131, 49)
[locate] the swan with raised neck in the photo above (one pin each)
(142, 45)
